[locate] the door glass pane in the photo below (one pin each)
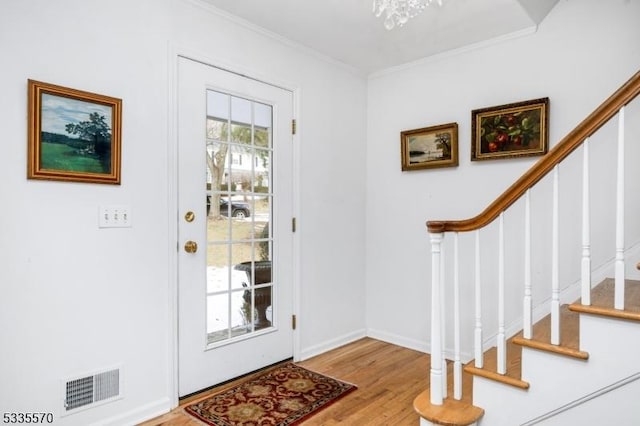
(262, 137)
(263, 230)
(241, 110)
(217, 129)
(224, 323)
(241, 319)
(262, 303)
(262, 125)
(241, 133)
(241, 255)
(241, 171)
(239, 211)
(261, 170)
(217, 317)
(263, 115)
(218, 105)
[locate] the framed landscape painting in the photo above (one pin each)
(429, 147)
(513, 130)
(73, 135)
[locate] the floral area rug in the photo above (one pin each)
(285, 395)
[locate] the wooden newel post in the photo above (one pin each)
(436, 319)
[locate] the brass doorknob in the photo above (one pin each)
(191, 247)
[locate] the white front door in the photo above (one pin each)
(234, 225)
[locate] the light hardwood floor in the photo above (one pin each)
(388, 377)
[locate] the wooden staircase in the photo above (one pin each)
(574, 341)
(463, 412)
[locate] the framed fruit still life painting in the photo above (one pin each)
(514, 130)
(429, 147)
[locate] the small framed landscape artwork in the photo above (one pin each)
(513, 130)
(73, 135)
(429, 147)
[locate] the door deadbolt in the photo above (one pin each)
(191, 247)
(189, 216)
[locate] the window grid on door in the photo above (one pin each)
(239, 236)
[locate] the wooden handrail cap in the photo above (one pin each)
(436, 226)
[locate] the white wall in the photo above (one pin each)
(580, 54)
(76, 298)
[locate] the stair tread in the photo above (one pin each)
(541, 339)
(602, 300)
(450, 413)
(489, 370)
(569, 335)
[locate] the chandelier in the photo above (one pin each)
(398, 12)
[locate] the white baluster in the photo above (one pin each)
(502, 341)
(527, 303)
(443, 317)
(555, 263)
(619, 268)
(436, 339)
(457, 364)
(479, 361)
(586, 225)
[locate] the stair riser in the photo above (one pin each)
(491, 396)
(614, 349)
(617, 407)
(614, 345)
(548, 375)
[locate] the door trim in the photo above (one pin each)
(176, 52)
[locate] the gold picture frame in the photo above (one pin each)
(513, 130)
(74, 136)
(429, 147)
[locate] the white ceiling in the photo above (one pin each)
(348, 31)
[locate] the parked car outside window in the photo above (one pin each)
(238, 209)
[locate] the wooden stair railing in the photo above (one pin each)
(566, 146)
(611, 107)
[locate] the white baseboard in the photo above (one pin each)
(416, 345)
(328, 345)
(139, 414)
(396, 339)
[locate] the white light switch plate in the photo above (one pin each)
(114, 216)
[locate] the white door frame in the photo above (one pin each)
(172, 198)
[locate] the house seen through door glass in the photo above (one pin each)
(239, 210)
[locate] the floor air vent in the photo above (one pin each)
(90, 390)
